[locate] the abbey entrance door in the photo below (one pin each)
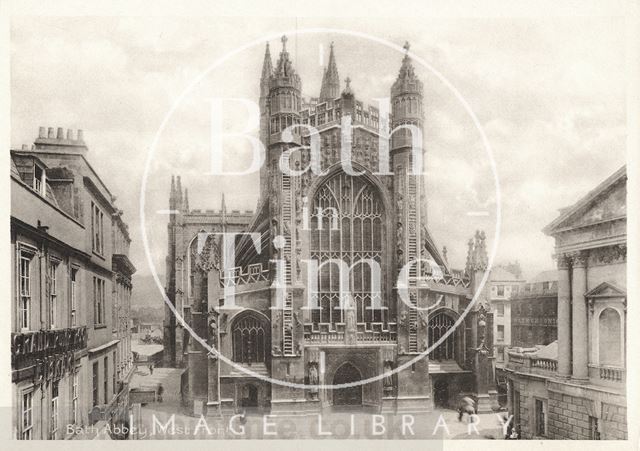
(347, 396)
(441, 393)
(249, 396)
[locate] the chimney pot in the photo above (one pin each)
(80, 136)
(25, 147)
(51, 133)
(70, 135)
(42, 132)
(60, 133)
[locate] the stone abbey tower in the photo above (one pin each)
(365, 217)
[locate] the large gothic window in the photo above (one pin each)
(439, 324)
(250, 343)
(347, 225)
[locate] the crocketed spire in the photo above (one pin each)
(330, 88)
(284, 66)
(477, 259)
(284, 74)
(407, 81)
(267, 66)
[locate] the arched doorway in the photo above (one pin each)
(347, 396)
(441, 393)
(249, 396)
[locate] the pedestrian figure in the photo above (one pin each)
(151, 368)
(243, 417)
(468, 406)
(509, 428)
(160, 391)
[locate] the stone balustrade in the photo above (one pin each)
(608, 373)
(545, 364)
(241, 276)
(528, 363)
(365, 332)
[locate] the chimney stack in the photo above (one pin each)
(69, 135)
(51, 133)
(42, 132)
(25, 147)
(60, 133)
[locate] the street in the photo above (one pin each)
(169, 420)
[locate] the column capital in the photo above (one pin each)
(563, 261)
(579, 259)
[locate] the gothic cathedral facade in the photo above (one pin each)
(285, 353)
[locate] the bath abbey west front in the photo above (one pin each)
(352, 218)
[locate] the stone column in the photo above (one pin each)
(579, 320)
(564, 317)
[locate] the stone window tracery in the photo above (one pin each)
(249, 340)
(439, 324)
(347, 225)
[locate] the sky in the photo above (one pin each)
(548, 93)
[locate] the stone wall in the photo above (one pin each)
(569, 418)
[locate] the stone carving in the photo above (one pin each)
(213, 329)
(208, 258)
(608, 255)
(579, 259)
(276, 321)
(298, 255)
(312, 373)
(563, 261)
(223, 323)
(403, 320)
(424, 320)
(477, 259)
(387, 381)
(274, 233)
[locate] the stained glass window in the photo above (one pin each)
(347, 226)
(439, 324)
(249, 340)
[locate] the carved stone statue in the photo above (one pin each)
(388, 377)
(313, 379)
(403, 319)
(350, 318)
(223, 323)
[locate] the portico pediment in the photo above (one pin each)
(607, 202)
(606, 290)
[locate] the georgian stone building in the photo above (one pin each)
(350, 218)
(504, 285)
(578, 390)
(70, 342)
(534, 311)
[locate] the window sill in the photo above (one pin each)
(99, 255)
(99, 326)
